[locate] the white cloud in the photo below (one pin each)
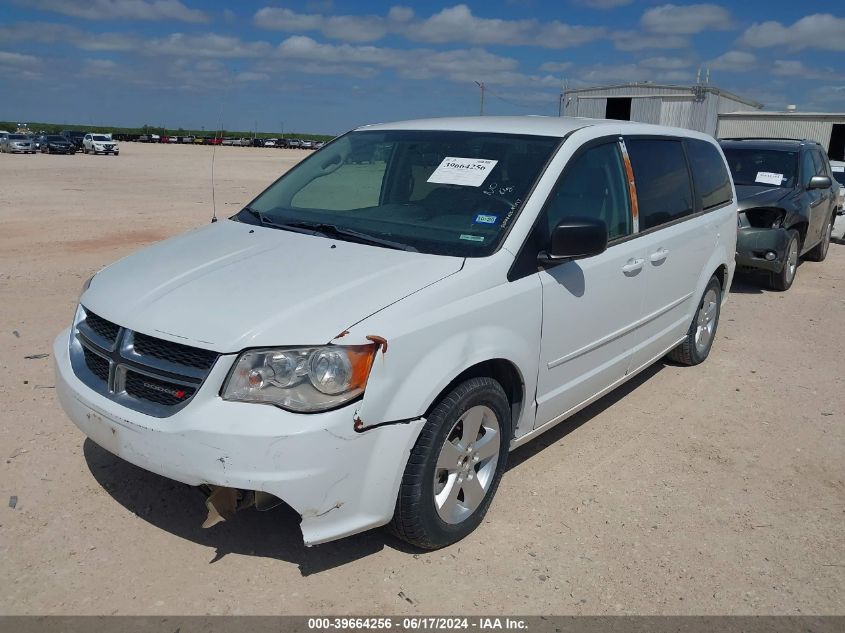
(19, 60)
(452, 24)
(251, 76)
(604, 4)
(686, 20)
(795, 68)
(555, 67)
(665, 63)
(734, 61)
(636, 41)
(121, 9)
(821, 31)
(209, 45)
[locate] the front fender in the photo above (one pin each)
(434, 336)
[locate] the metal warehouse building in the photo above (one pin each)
(826, 128)
(704, 108)
(693, 107)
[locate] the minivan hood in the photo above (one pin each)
(750, 196)
(229, 286)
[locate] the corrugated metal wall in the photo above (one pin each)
(646, 110)
(676, 112)
(776, 127)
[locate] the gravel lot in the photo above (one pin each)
(718, 489)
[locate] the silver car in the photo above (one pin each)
(18, 143)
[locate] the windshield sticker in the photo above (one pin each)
(472, 238)
(838, 167)
(469, 172)
(769, 178)
(483, 218)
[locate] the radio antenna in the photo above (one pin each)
(213, 154)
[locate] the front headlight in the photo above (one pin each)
(303, 379)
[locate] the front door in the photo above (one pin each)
(590, 306)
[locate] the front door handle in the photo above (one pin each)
(659, 255)
(633, 266)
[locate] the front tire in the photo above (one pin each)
(782, 280)
(455, 467)
(819, 252)
(702, 331)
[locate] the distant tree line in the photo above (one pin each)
(55, 128)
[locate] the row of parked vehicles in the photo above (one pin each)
(290, 143)
(480, 283)
(68, 142)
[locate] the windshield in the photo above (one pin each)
(441, 192)
(100, 137)
(53, 137)
(763, 167)
(17, 137)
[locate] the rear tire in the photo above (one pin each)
(819, 252)
(782, 281)
(452, 473)
(702, 331)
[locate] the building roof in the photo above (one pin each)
(690, 89)
(762, 114)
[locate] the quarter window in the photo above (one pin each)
(660, 169)
(712, 181)
(808, 167)
(593, 186)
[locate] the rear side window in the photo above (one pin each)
(664, 193)
(712, 181)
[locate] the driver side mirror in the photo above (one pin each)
(575, 238)
(819, 182)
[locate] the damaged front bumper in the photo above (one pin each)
(340, 481)
(754, 244)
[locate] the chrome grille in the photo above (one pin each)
(144, 373)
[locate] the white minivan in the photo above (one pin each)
(369, 338)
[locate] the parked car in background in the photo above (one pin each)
(99, 144)
(293, 143)
(306, 144)
(837, 168)
(75, 137)
(319, 144)
(35, 140)
(56, 144)
(270, 142)
(531, 265)
(17, 144)
(786, 204)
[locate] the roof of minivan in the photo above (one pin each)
(531, 125)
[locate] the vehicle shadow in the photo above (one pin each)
(554, 435)
(179, 509)
(749, 283)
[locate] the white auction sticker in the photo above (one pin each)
(769, 178)
(462, 171)
(838, 167)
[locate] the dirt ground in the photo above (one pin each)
(718, 489)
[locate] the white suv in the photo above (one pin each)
(99, 144)
(370, 337)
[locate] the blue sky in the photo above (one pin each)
(327, 65)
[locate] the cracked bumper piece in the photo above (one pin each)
(339, 481)
(752, 245)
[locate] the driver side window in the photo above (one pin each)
(593, 186)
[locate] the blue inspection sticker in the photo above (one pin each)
(483, 218)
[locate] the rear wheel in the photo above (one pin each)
(783, 280)
(454, 469)
(702, 331)
(819, 251)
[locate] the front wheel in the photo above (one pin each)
(454, 469)
(783, 280)
(702, 331)
(819, 252)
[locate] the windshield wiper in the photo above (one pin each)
(331, 230)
